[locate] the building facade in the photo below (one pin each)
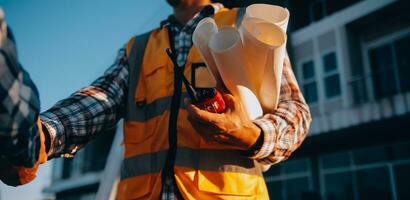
(351, 59)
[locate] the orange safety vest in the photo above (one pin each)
(158, 138)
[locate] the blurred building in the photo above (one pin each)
(79, 178)
(352, 61)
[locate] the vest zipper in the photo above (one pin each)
(168, 170)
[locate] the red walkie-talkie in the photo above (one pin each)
(209, 99)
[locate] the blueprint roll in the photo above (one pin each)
(271, 13)
(265, 47)
(201, 36)
(228, 52)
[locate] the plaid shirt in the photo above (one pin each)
(19, 108)
(74, 121)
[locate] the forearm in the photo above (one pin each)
(74, 121)
(285, 128)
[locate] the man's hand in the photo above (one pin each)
(3, 27)
(233, 127)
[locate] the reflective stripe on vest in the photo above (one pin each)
(212, 159)
(202, 170)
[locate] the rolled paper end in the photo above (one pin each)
(274, 14)
(262, 33)
(249, 102)
(226, 39)
(203, 32)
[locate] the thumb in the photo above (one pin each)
(231, 101)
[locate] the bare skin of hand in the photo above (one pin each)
(232, 127)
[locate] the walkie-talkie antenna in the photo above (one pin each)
(172, 56)
(191, 91)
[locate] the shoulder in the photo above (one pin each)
(138, 38)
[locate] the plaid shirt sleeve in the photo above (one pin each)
(74, 121)
(19, 108)
(285, 128)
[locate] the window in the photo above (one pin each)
(382, 66)
(308, 11)
(73, 167)
(333, 6)
(317, 11)
(374, 183)
(378, 172)
(331, 75)
(297, 188)
(402, 176)
(370, 155)
(339, 186)
(309, 84)
(290, 180)
(390, 66)
(367, 173)
(401, 151)
(275, 189)
(402, 48)
(336, 160)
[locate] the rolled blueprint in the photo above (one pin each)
(201, 36)
(265, 47)
(271, 13)
(228, 52)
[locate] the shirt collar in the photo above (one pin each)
(208, 10)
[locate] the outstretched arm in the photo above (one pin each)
(27, 139)
(74, 121)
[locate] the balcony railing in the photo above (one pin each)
(363, 108)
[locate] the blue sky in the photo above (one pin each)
(66, 44)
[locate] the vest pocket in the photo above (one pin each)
(227, 172)
(228, 183)
(138, 132)
(158, 83)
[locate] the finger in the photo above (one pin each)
(199, 128)
(231, 102)
(201, 115)
(202, 126)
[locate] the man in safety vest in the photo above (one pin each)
(173, 150)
